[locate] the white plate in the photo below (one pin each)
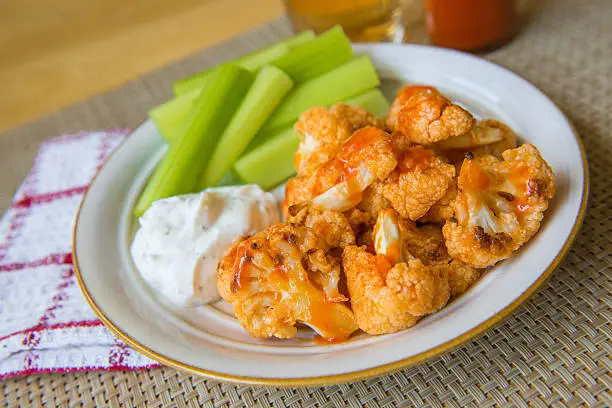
(208, 341)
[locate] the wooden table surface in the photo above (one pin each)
(56, 52)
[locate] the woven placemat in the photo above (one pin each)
(555, 351)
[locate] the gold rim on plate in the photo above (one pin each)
(354, 375)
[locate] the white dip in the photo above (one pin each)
(181, 239)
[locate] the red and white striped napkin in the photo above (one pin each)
(45, 323)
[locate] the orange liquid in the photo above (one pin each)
(470, 24)
(473, 177)
(362, 20)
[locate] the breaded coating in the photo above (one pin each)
(373, 200)
(297, 190)
(499, 206)
(366, 157)
(368, 146)
(419, 181)
(460, 277)
(323, 131)
(330, 226)
(356, 116)
(486, 137)
(425, 242)
(361, 222)
(388, 298)
(401, 100)
(281, 276)
(442, 210)
(421, 114)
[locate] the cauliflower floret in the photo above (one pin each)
(339, 184)
(330, 226)
(356, 116)
(442, 210)
(499, 206)
(460, 276)
(486, 137)
(425, 242)
(323, 131)
(297, 190)
(281, 276)
(419, 181)
(422, 115)
(373, 200)
(391, 290)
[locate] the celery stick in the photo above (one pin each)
(313, 58)
(253, 61)
(298, 39)
(169, 117)
(182, 165)
(373, 101)
(230, 178)
(272, 162)
(269, 88)
(345, 81)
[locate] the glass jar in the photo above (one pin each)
(470, 25)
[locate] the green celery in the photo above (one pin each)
(272, 162)
(180, 169)
(169, 117)
(229, 179)
(298, 39)
(267, 91)
(313, 58)
(253, 61)
(345, 81)
(373, 101)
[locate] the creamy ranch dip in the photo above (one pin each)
(181, 239)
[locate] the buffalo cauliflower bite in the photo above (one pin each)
(427, 244)
(422, 115)
(356, 116)
(499, 206)
(442, 210)
(424, 242)
(323, 131)
(419, 181)
(486, 137)
(391, 290)
(339, 184)
(460, 276)
(281, 276)
(330, 226)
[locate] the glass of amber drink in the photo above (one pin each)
(362, 20)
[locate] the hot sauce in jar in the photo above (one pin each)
(470, 25)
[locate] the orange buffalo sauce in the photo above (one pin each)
(242, 257)
(415, 159)
(470, 25)
(473, 177)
